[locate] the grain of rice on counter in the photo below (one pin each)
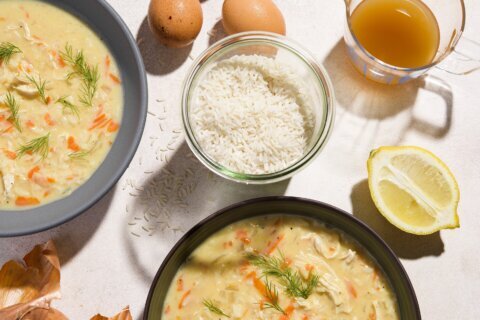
(251, 114)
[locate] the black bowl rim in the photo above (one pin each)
(317, 203)
(131, 150)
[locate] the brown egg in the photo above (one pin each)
(176, 23)
(252, 15)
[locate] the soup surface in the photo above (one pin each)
(60, 103)
(279, 267)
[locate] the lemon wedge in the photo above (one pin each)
(413, 189)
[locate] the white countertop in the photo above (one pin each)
(105, 267)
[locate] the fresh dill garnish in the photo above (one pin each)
(7, 50)
(67, 105)
(40, 85)
(13, 106)
(38, 145)
(80, 155)
(81, 69)
(295, 285)
(210, 305)
(271, 294)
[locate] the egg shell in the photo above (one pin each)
(176, 23)
(252, 15)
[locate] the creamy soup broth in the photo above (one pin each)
(225, 277)
(67, 90)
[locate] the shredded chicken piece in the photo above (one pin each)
(336, 290)
(26, 90)
(349, 256)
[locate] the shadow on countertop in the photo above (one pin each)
(217, 33)
(405, 245)
(166, 199)
(157, 58)
(374, 102)
(69, 238)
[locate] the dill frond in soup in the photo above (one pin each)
(60, 103)
(279, 267)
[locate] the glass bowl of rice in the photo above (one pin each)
(257, 107)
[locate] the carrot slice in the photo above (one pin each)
(273, 245)
(351, 289)
(257, 283)
(180, 284)
(182, 299)
(115, 78)
(10, 154)
(33, 171)
(288, 312)
(113, 126)
(26, 201)
(72, 145)
(49, 120)
(30, 124)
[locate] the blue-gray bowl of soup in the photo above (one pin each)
(281, 258)
(73, 104)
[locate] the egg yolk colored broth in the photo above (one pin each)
(60, 103)
(279, 267)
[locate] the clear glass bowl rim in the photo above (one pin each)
(276, 40)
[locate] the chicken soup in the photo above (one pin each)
(60, 103)
(280, 267)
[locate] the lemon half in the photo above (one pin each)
(413, 189)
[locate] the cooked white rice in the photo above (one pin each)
(252, 115)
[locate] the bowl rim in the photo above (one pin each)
(130, 150)
(392, 256)
(309, 60)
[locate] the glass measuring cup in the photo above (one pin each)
(450, 15)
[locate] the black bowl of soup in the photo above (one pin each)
(281, 258)
(73, 102)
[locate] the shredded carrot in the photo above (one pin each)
(99, 118)
(49, 99)
(243, 267)
(182, 299)
(113, 126)
(9, 129)
(26, 201)
(261, 303)
(228, 244)
(257, 283)
(309, 267)
(271, 246)
(305, 317)
(243, 236)
(115, 78)
(107, 61)
(33, 171)
(2, 117)
(10, 154)
(72, 145)
(288, 312)
(104, 124)
(30, 124)
(180, 284)
(58, 58)
(49, 120)
(351, 289)
(51, 180)
(372, 315)
(46, 193)
(27, 15)
(167, 309)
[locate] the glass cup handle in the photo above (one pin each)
(442, 89)
(464, 59)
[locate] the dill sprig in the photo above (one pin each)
(271, 294)
(210, 305)
(295, 285)
(40, 85)
(81, 69)
(67, 105)
(38, 145)
(13, 106)
(80, 155)
(7, 50)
